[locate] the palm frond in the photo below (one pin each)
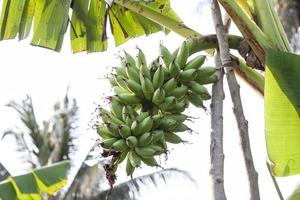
(131, 189)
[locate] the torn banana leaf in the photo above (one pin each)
(282, 109)
(89, 23)
(31, 186)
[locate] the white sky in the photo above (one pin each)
(45, 75)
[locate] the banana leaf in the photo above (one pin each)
(88, 25)
(31, 186)
(282, 109)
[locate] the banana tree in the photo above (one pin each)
(45, 180)
(266, 48)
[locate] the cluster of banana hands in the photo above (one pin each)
(147, 108)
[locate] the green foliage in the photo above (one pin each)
(32, 185)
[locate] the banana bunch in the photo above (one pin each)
(147, 109)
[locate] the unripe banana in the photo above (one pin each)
(124, 131)
(113, 129)
(177, 117)
(195, 99)
(133, 74)
(187, 75)
(147, 87)
(109, 118)
(156, 120)
(150, 161)
(145, 139)
(129, 168)
(158, 149)
(179, 91)
(132, 112)
(180, 128)
(172, 138)
(119, 145)
(104, 132)
(158, 96)
(204, 72)
(205, 96)
(131, 141)
(157, 135)
(142, 116)
(158, 78)
(167, 124)
(129, 99)
(121, 71)
(145, 71)
(130, 62)
(182, 55)
(107, 144)
(146, 124)
(135, 87)
(195, 63)
(141, 58)
(174, 69)
(169, 103)
(112, 80)
(120, 81)
(208, 80)
(169, 86)
(144, 151)
(120, 90)
(134, 159)
(166, 73)
(116, 108)
(135, 128)
(197, 88)
(179, 107)
(165, 54)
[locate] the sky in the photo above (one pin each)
(45, 75)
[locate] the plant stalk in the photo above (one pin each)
(234, 89)
(216, 140)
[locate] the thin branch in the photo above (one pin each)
(236, 99)
(216, 145)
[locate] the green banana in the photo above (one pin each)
(144, 151)
(131, 141)
(169, 103)
(179, 107)
(121, 71)
(141, 59)
(147, 87)
(104, 132)
(157, 135)
(135, 128)
(124, 131)
(177, 117)
(169, 86)
(135, 87)
(156, 120)
(120, 81)
(165, 54)
(134, 159)
(145, 71)
(119, 145)
(129, 99)
(158, 78)
(146, 124)
(158, 96)
(142, 116)
(182, 55)
(180, 128)
(172, 138)
(133, 74)
(145, 139)
(167, 124)
(197, 88)
(130, 62)
(195, 63)
(116, 108)
(187, 75)
(150, 161)
(129, 168)
(195, 99)
(107, 144)
(113, 129)
(174, 69)
(179, 91)
(158, 149)
(208, 80)
(112, 80)
(204, 72)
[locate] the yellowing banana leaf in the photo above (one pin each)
(282, 108)
(30, 186)
(88, 25)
